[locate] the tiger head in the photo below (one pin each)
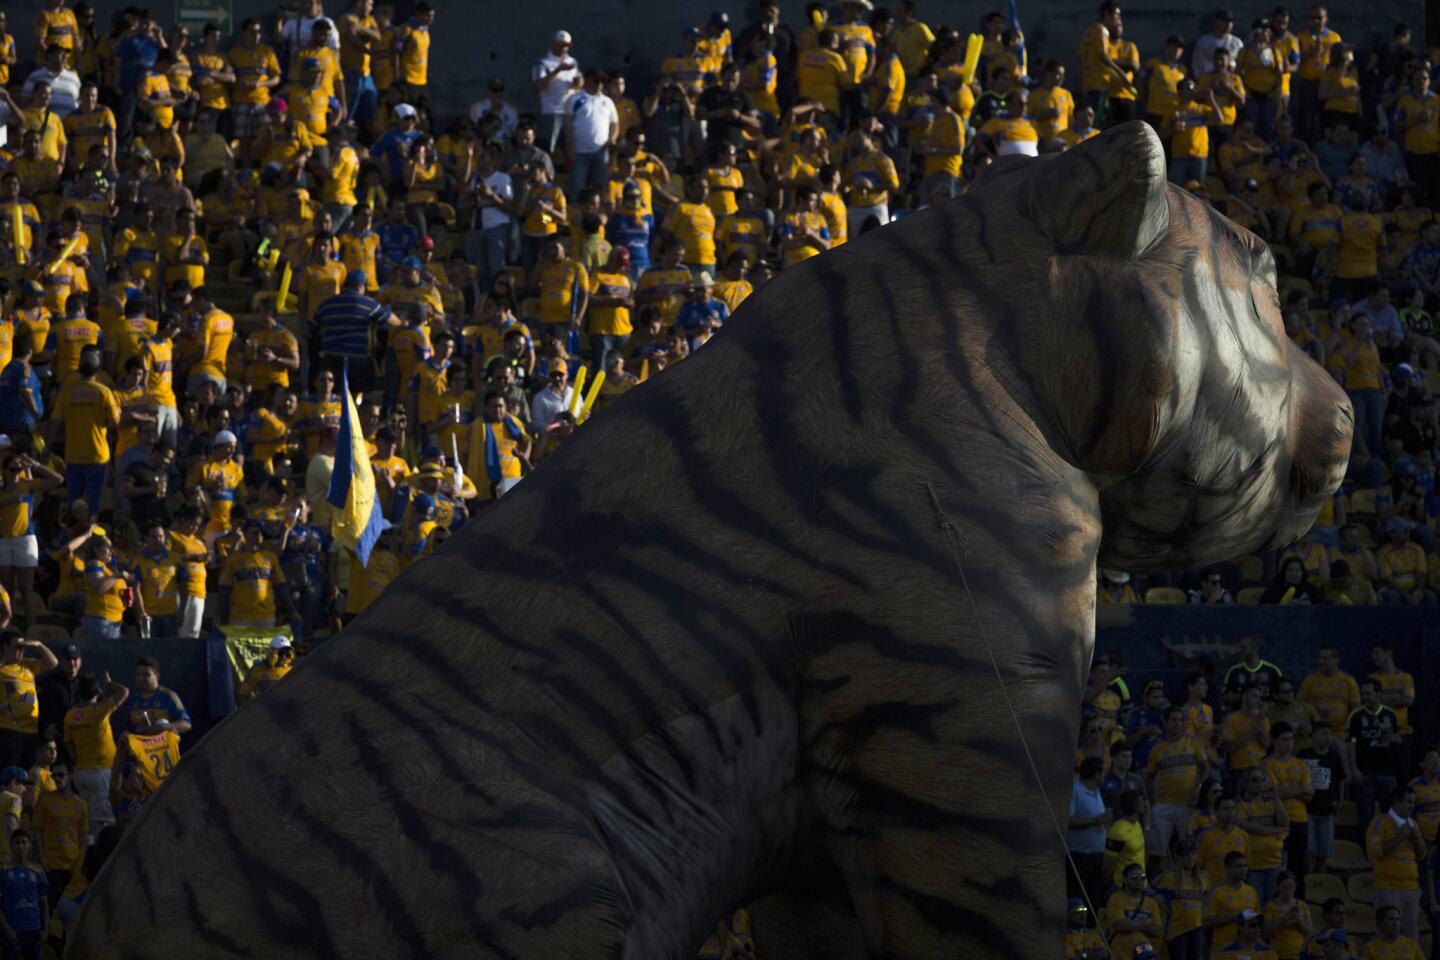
(1163, 360)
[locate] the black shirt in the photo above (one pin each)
(1326, 774)
(56, 695)
(147, 506)
(1369, 732)
(1266, 676)
(718, 98)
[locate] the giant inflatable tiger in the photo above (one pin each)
(732, 642)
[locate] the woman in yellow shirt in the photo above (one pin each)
(1183, 888)
(106, 591)
(1340, 89)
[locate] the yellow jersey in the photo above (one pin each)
(1266, 850)
(159, 583)
(155, 755)
(1226, 901)
(1216, 842)
(61, 820)
(1184, 898)
(693, 224)
(367, 582)
(252, 577)
(1175, 765)
(17, 687)
(253, 66)
(88, 409)
(223, 480)
(88, 736)
(1291, 773)
(562, 285)
(217, 329)
(191, 572)
(1397, 870)
(412, 49)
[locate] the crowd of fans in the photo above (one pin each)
(1203, 820)
(202, 236)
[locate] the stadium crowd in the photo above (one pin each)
(202, 236)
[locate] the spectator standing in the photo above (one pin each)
(1251, 671)
(1397, 689)
(1220, 37)
(592, 126)
(1393, 843)
(1184, 889)
(1327, 765)
(1291, 778)
(1132, 914)
(495, 105)
(21, 661)
(56, 688)
(1246, 735)
(1088, 823)
(346, 328)
(1263, 817)
(556, 77)
(64, 83)
(488, 242)
(89, 740)
(1232, 900)
(136, 55)
(1373, 732)
(85, 410)
(61, 823)
(1333, 693)
(22, 400)
(1223, 838)
(24, 902)
(1174, 768)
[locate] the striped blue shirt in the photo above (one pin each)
(347, 321)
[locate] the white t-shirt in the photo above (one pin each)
(490, 216)
(64, 89)
(509, 118)
(591, 116)
(1203, 59)
(557, 90)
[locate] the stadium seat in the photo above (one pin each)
(1252, 568)
(1165, 595)
(1320, 887)
(1360, 919)
(1425, 940)
(1249, 595)
(1362, 501)
(1348, 855)
(1347, 814)
(1432, 381)
(1361, 886)
(48, 632)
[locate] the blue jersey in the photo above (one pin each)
(163, 704)
(632, 233)
(694, 314)
(20, 891)
(397, 240)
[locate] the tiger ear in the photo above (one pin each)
(1105, 197)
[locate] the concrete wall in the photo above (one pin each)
(475, 39)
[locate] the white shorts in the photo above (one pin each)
(19, 551)
(192, 611)
(93, 786)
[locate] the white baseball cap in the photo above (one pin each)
(224, 437)
(279, 643)
(562, 36)
(405, 110)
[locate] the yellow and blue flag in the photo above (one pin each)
(358, 518)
